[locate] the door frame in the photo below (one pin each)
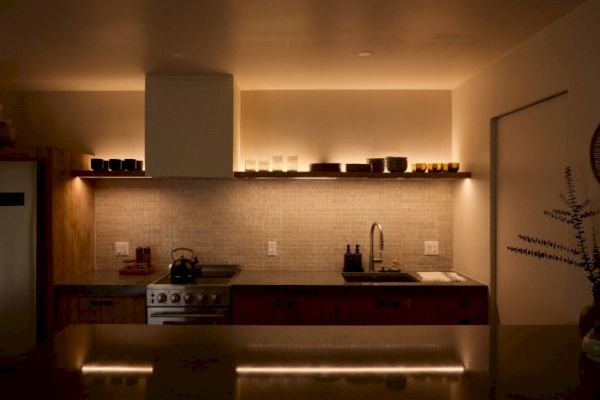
(494, 121)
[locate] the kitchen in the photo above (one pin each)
(231, 221)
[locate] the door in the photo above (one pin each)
(18, 215)
(531, 159)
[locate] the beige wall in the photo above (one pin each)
(346, 126)
(228, 220)
(106, 124)
(566, 55)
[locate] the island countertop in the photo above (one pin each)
(308, 362)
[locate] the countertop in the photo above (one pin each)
(308, 362)
(108, 282)
(111, 280)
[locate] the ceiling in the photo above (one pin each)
(265, 44)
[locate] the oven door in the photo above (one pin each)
(188, 316)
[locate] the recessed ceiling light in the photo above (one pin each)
(364, 53)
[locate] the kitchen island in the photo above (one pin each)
(301, 362)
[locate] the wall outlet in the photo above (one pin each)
(272, 249)
(432, 248)
(121, 248)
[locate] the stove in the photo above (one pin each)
(205, 300)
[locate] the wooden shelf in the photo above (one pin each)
(109, 174)
(352, 175)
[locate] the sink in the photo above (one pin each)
(379, 277)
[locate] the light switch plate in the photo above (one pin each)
(121, 248)
(272, 249)
(432, 248)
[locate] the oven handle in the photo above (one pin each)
(184, 315)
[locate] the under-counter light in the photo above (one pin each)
(117, 369)
(450, 369)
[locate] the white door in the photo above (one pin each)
(531, 161)
(17, 256)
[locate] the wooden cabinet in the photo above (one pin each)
(359, 305)
(464, 306)
(283, 305)
(397, 305)
(191, 126)
(73, 309)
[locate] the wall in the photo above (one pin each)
(231, 221)
(564, 55)
(346, 126)
(105, 124)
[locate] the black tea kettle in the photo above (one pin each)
(183, 269)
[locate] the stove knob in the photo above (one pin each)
(202, 299)
(188, 298)
(161, 298)
(215, 298)
(175, 298)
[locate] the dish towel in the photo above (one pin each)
(432, 276)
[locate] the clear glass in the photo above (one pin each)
(250, 164)
(263, 165)
(277, 162)
(292, 163)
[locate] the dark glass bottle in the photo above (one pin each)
(357, 258)
(348, 259)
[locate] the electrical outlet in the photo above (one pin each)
(272, 249)
(432, 248)
(121, 248)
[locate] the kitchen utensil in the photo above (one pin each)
(129, 164)
(139, 165)
(358, 167)
(278, 163)
(435, 167)
(377, 164)
(292, 163)
(325, 167)
(396, 164)
(453, 167)
(98, 164)
(182, 269)
(115, 164)
(419, 167)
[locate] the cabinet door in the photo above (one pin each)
(268, 305)
(387, 306)
(190, 125)
(464, 305)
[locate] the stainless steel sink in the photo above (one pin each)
(379, 277)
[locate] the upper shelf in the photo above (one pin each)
(353, 175)
(109, 174)
(293, 175)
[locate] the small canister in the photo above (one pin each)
(139, 255)
(146, 256)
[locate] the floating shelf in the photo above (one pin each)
(109, 174)
(352, 175)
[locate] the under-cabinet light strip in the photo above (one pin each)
(454, 369)
(116, 369)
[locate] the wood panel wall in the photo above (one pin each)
(66, 232)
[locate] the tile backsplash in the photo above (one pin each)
(231, 221)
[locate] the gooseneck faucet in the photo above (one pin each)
(372, 259)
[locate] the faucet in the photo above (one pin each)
(372, 259)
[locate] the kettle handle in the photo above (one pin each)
(182, 248)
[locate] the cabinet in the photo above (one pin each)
(74, 309)
(359, 305)
(283, 305)
(191, 126)
(396, 305)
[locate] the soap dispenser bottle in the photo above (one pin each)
(348, 259)
(357, 258)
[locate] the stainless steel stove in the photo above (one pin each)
(203, 301)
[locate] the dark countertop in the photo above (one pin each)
(308, 362)
(109, 281)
